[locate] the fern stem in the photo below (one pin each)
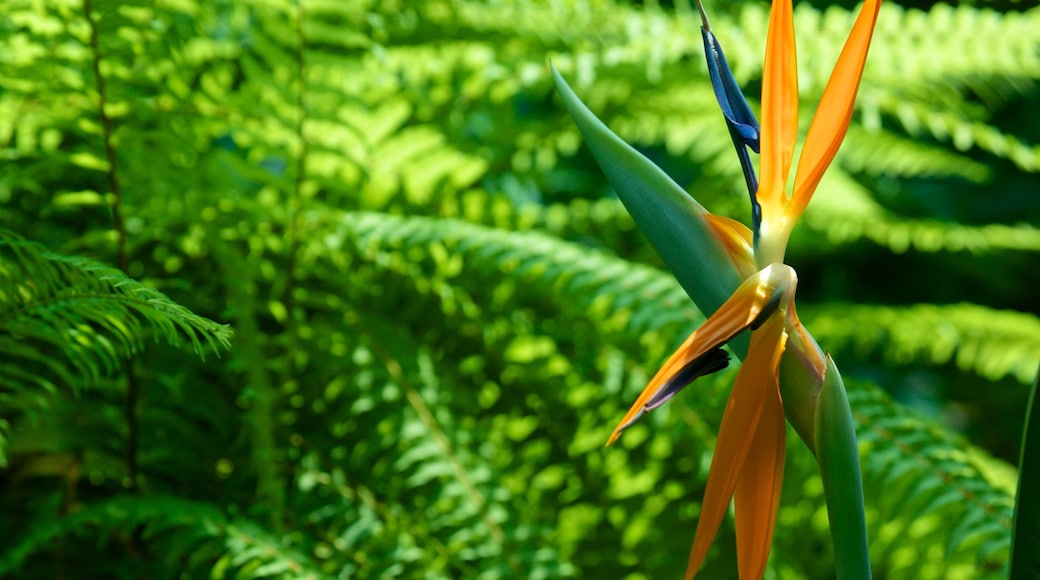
(270, 493)
(296, 201)
(110, 151)
(133, 387)
(269, 488)
(296, 195)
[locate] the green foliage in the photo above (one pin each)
(927, 495)
(92, 314)
(68, 321)
(184, 534)
(440, 310)
(992, 343)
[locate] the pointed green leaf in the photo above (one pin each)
(1025, 535)
(672, 220)
(838, 456)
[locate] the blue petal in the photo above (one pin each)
(742, 124)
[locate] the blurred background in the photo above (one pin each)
(441, 310)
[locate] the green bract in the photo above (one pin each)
(671, 219)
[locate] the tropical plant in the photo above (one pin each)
(439, 307)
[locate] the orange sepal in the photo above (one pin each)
(756, 383)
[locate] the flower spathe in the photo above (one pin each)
(748, 462)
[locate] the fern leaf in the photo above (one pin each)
(991, 343)
(91, 313)
(963, 133)
(845, 211)
(927, 494)
(193, 537)
(883, 153)
(601, 284)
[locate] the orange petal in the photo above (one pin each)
(779, 109)
(756, 383)
(757, 495)
(736, 314)
(835, 110)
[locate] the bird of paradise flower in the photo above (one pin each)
(805, 388)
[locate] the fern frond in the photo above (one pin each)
(845, 211)
(963, 133)
(599, 284)
(882, 153)
(955, 45)
(932, 512)
(431, 501)
(992, 343)
(92, 314)
(191, 538)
